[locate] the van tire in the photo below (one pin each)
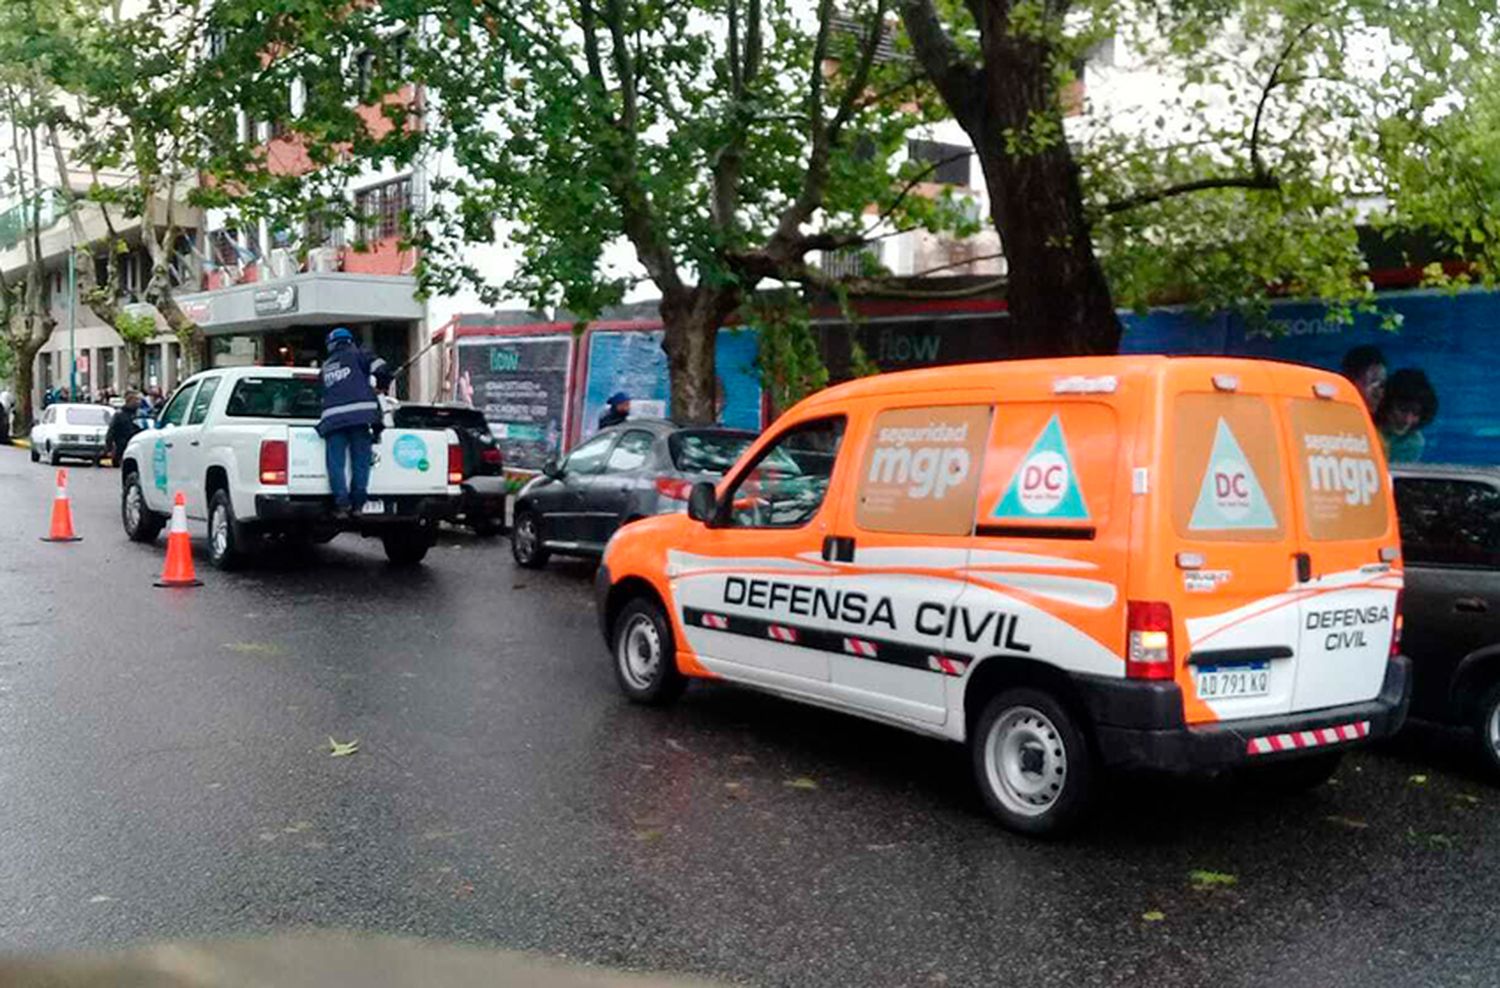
(1296, 774)
(1487, 728)
(645, 654)
(1032, 762)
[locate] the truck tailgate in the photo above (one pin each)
(407, 461)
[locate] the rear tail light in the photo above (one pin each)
(1398, 621)
(455, 463)
(1150, 654)
(273, 461)
(674, 488)
(491, 455)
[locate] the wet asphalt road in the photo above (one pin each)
(164, 772)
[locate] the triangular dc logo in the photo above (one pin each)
(1045, 484)
(1230, 496)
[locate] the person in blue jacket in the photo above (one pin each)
(350, 411)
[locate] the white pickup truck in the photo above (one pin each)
(239, 443)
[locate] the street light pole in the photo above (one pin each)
(72, 325)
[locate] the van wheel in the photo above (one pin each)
(646, 654)
(141, 523)
(1296, 775)
(526, 541)
(1487, 726)
(1032, 762)
(54, 458)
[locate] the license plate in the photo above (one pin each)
(1226, 682)
(372, 508)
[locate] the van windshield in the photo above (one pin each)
(276, 398)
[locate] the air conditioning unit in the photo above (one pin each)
(282, 263)
(323, 259)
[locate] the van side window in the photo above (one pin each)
(1227, 480)
(1449, 522)
(921, 470)
(785, 486)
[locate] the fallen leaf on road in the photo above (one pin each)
(800, 782)
(340, 749)
(676, 745)
(1346, 821)
(1211, 879)
(1418, 780)
(253, 648)
(100, 898)
(1468, 797)
(649, 835)
(1153, 916)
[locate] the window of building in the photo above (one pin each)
(949, 162)
(382, 209)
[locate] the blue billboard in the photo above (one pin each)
(633, 361)
(1442, 341)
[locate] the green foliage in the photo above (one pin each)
(1312, 118)
(135, 329)
(7, 358)
(790, 363)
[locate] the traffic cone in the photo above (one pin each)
(62, 513)
(179, 569)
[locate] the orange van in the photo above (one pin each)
(1070, 565)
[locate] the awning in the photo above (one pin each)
(317, 297)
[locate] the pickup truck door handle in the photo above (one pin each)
(1470, 605)
(838, 548)
(193, 443)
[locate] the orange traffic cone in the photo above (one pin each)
(179, 569)
(62, 513)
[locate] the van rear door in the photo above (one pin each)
(1348, 611)
(1235, 546)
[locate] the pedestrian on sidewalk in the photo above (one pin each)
(618, 410)
(350, 410)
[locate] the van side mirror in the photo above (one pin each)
(702, 502)
(552, 468)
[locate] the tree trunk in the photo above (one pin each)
(691, 318)
(1058, 297)
(135, 366)
(24, 374)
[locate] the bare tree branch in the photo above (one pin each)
(1272, 81)
(1264, 182)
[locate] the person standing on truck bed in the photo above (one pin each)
(350, 410)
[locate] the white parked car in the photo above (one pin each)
(75, 431)
(240, 445)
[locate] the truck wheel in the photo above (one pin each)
(406, 546)
(646, 654)
(1032, 762)
(229, 544)
(141, 523)
(1487, 726)
(526, 541)
(1297, 774)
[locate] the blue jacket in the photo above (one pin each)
(348, 399)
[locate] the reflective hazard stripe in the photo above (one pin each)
(716, 621)
(782, 633)
(353, 406)
(947, 665)
(1316, 738)
(860, 647)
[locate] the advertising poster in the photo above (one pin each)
(633, 361)
(521, 385)
(1436, 366)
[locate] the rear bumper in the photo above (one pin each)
(1140, 725)
(79, 449)
(314, 509)
(484, 495)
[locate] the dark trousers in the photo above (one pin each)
(351, 446)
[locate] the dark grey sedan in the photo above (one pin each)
(638, 468)
(1450, 538)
